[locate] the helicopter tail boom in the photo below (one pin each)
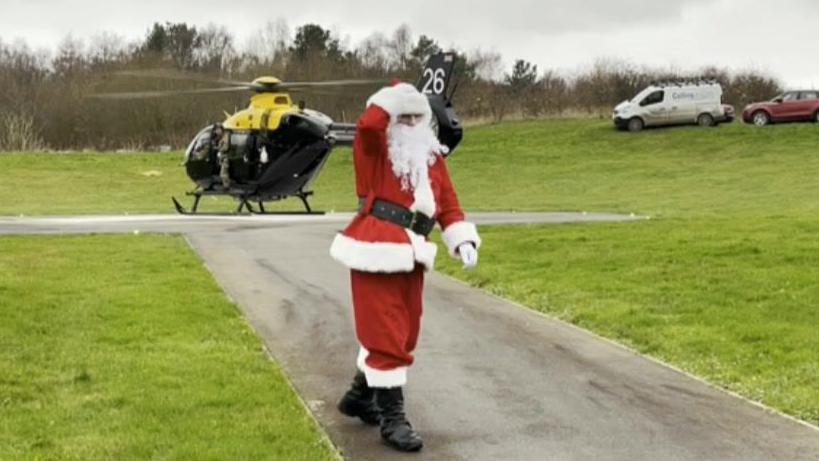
(342, 133)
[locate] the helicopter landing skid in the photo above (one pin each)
(244, 203)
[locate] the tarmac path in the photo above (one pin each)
(492, 380)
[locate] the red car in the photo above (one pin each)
(793, 106)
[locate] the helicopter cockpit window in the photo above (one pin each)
(282, 100)
(200, 147)
(202, 142)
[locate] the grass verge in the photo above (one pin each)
(719, 282)
(730, 301)
(543, 165)
(123, 347)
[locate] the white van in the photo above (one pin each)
(674, 103)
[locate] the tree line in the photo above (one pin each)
(45, 103)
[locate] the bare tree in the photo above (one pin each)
(70, 59)
(488, 65)
(42, 99)
(19, 132)
(214, 49)
(270, 43)
(552, 93)
(105, 50)
(373, 53)
(747, 87)
(400, 48)
(23, 75)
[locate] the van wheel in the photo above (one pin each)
(705, 120)
(761, 118)
(635, 124)
(816, 117)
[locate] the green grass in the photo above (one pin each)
(677, 172)
(123, 347)
(553, 165)
(729, 300)
(105, 183)
(720, 282)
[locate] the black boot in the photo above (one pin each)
(359, 401)
(395, 429)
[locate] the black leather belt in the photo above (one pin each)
(418, 222)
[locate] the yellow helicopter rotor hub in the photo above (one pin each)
(267, 80)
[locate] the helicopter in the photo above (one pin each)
(275, 149)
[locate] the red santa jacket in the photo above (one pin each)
(375, 245)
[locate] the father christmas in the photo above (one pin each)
(404, 188)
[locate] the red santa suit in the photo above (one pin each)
(388, 261)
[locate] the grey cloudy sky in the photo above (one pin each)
(775, 37)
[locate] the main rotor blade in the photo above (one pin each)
(308, 91)
(288, 85)
(172, 74)
(159, 94)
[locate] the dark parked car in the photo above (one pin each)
(793, 106)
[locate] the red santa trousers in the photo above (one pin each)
(387, 308)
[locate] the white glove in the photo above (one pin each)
(469, 255)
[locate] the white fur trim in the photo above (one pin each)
(424, 199)
(457, 233)
(402, 98)
(396, 377)
(372, 256)
(423, 250)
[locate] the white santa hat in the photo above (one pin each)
(400, 99)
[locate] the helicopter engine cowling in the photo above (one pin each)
(300, 125)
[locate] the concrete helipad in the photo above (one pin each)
(492, 380)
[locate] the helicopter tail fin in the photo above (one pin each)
(437, 74)
(434, 83)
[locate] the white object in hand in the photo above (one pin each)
(469, 255)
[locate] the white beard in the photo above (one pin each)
(412, 150)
